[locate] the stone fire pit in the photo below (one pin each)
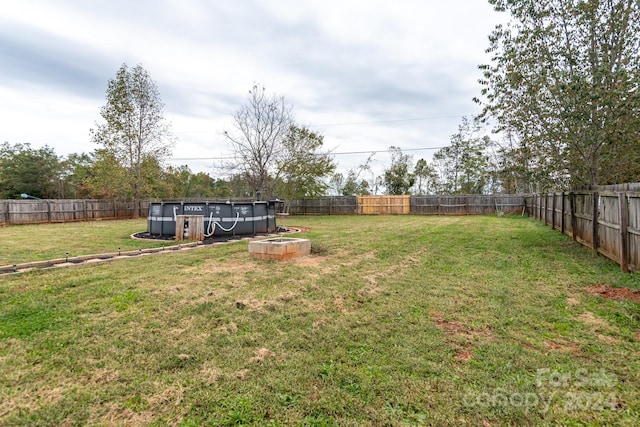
(280, 248)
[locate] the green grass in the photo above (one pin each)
(403, 320)
(26, 243)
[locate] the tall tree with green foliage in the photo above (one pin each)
(398, 178)
(565, 78)
(135, 132)
(426, 177)
(302, 168)
(76, 170)
(36, 172)
(464, 165)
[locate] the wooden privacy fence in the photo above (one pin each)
(470, 204)
(426, 205)
(606, 221)
(331, 205)
(384, 205)
(39, 211)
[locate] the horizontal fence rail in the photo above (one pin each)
(605, 219)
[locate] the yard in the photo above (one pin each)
(393, 320)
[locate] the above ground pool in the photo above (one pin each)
(220, 218)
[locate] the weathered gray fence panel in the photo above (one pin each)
(39, 211)
(605, 219)
(472, 204)
(331, 205)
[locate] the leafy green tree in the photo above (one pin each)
(302, 168)
(564, 79)
(353, 186)
(221, 188)
(28, 170)
(398, 178)
(135, 134)
(464, 165)
(108, 177)
(183, 183)
(426, 177)
(336, 183)
(76, 170)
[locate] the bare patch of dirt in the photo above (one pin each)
(451, 327)
(465, 355)
(563, 347)
(617, 294)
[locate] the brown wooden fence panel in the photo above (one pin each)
(474, 204)
(384, 205)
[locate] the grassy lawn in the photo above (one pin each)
(404, 320)
(25, 243)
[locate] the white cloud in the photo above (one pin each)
(351, 68)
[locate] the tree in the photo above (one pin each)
(354, 184)
(261, 128)
(464, 165)
(182, 183)
(108, 177)
(398, 179)
(302, 167)
(76, 170)
(426, 177)
(134, 133)
(564, 80)
(23, 169)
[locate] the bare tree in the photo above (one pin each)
(261, 127)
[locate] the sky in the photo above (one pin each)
(365, 74)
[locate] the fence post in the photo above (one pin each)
(624, 221)
(562, 219)
(595, 220)
(553, 212)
